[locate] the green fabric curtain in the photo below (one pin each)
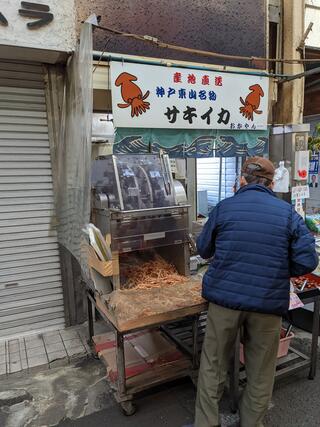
(179, 143)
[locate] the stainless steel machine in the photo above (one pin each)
(137, 202)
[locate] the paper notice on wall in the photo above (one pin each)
(299, 207)
(314, 164)
(313, 204)
(301, 167)
(173, 165)
(300, 192)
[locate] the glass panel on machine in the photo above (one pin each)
(103, 180)
(140, 181)
(143, 182)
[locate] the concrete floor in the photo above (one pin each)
(78, 396)
(295, 404)
(47, 398)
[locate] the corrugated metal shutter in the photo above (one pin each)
(219, 185)
(31, 296)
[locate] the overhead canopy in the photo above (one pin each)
(192, 143)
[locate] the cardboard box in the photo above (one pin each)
(143, 351)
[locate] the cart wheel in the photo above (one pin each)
(128, 408)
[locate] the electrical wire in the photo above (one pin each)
(157, 42)
(102, 53)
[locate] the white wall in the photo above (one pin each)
(313, 3)
(313, 15)
(58, 35)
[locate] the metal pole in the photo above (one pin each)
(120, 364)
(106, 57)
(90, 321)
(195, 330)
(220, 179)
(192, 189)
(315, 336)
(300, 75)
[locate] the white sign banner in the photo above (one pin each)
(151, 96)
(300, 192)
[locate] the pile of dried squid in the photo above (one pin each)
(150, 274)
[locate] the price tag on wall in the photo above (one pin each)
(300, 192)
(298, 196)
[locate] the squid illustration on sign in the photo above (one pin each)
(132, 94)
(252, 102)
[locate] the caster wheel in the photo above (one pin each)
(128, 408)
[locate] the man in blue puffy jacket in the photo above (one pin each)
(256, 242)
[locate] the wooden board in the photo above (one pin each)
(131, 310)
(159, 375)
(105, 268)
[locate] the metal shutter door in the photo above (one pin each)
(217, 183)
(31, 296)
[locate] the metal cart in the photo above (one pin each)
(127, 388)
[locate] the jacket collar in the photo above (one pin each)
(255, 187)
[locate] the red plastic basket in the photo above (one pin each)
(283, 346)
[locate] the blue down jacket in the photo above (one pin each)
(257, 242)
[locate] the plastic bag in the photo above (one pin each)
(281, 179)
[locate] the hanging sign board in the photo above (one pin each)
(151, 96)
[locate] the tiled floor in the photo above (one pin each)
(48, 350)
